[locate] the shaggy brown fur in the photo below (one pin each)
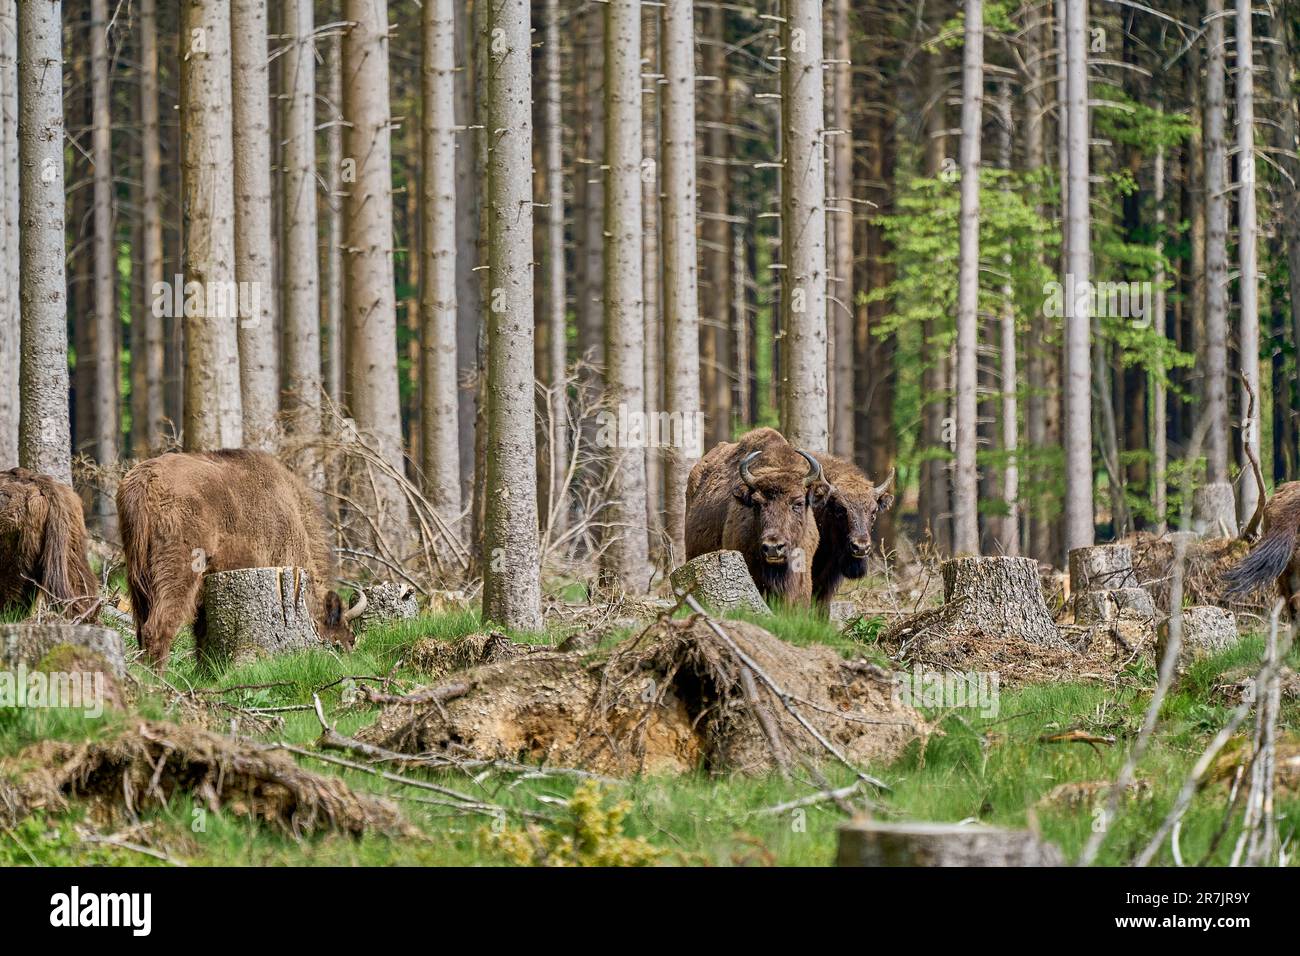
(183, 516)
(1274, 558)
(43, 545)
(771, 524)
(845, 517)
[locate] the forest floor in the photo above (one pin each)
(994, 768)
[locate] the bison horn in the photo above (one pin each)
(745, 473)
(888, 483)
(356, 610)
(814, 469)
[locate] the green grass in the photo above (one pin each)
(994, 769)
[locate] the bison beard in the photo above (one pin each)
(186, 515)
(845, 516)
(43, 545)
(755, 496)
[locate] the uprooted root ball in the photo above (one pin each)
(681, 696)
(151, 762)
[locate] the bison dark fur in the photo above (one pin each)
(183, 516)
(768, 519)
(1274, 558)
(43, 545)
(845, 516)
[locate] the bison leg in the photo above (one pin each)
(169, 613)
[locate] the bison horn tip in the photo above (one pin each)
(814, 469)
(357, 609)
(745, 473)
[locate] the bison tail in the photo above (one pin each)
(65, 573)
(136, 530)
(1266, 561)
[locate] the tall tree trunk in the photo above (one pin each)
(469, 282)
(105, 287)
(259, 373)
(936, 489)
(301, 259)
(803, 218)
(1285, 132)
(1008, 538)
(966, 538)
(512, 567)
(45, 440)
(440, 443)
(681, 308)
(1159, 388)
(1079, 531)
(151, 235)
(650, 280)
(333, 373)
(213, 412)
(371, 299)
(10, 322)
(842, 297)
(555, 311)
(1216, 250)
(715, 232)
(1038, 43)
(624, 557)
(1247, 233)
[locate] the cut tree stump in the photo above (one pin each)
(35, 644)
(1207, 630)
(385, 602)
(720, 581)
(1102, 607)
(1103, 567)
(997, 597)
(256, 612)
(1214, 510)
(867, 843)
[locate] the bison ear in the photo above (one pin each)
(884, 503)
(820, 493)
(743, 493)
(333, 609)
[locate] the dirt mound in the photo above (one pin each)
(437, 658)
(1206, 561)
(152, 762)
(685, 694)
(1100, 652)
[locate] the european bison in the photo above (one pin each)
(43, 545)
(1274, 557)
(186, 515)
(756, 496)
(845, 515)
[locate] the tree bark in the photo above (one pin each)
(624, 558)
(1008, 538)
(45, 440)
(105, 376)
(680, 302)
(1247, 251)
(1159, 386)
(841, 302)
(803, 218)
(213, 411)
(966, 476)
(512, 567)
(371, 299)
(151, 236)
(1216, 250)
(650, 280)
(259, 372)
(936, 489)
(1079, 530)
(715, 231)
(333, 366)
(10, 323)
(469, 282)
(440, 445)
(300, 258)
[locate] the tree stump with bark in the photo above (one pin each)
(254, 613)
(385, 602)
(1206, 631)
(1105, 587)
(92, 655)
(997, 597)
(721, 582)
(1214, 510)
(868, 843)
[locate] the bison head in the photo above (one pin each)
(43, 544)
(848, 514)
(780, 503)
(336, 624)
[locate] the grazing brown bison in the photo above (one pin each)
(756, 496)
(43, 545)
(1275, 557)
(186, 515)
(845, 516)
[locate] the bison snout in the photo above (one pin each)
(773, 552)
(860, 549)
